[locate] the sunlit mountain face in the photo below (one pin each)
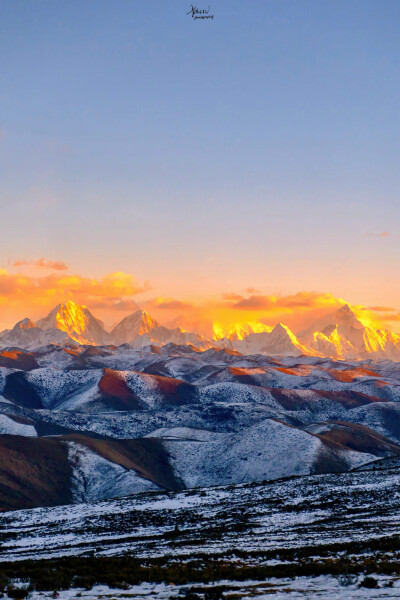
(239, 330)
(339, 335)
(136, 324)
(77, 322)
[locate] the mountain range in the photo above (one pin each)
(340, 335)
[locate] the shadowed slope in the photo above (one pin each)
(147, 456)
(33, 472)
(359, 438)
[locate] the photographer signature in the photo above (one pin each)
(199, 13)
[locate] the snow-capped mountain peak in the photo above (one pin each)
(343, 335)
(24, 324)
(138, 323)
(280, 341)
(140, 329)
(77, 321)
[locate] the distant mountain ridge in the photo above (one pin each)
(25, 334)
(140, 329)
(343, 335)
(340, 335)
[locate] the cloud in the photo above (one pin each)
(390, 317)
(305, 300)
(112, 289)
(232, 296)
(174, 305)
(113, 304)
(298, 311)
(57, 265)
(35, 294)
(382, 234)
(251, 290)
(167, 304)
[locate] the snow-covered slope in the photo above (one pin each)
(78, 322)
(138, 323)
(265, 451)
(280, 341)
(343, 335)
(95, 478)
(25, 334)
(13, 426)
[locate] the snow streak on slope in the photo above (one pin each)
(95, 478)
(9, 426)
(268, 450)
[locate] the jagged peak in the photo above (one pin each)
(345, 309)
(138, 315)
(346, 313)
(25, 324)
(77, 321)
(280, 327)
(71, 305)
(142, 313)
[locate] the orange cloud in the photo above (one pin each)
(57, 265)
(382, 234)
(377, 316)
(167, 304)
(390, 317)
(174, 305)
(113, 304)
(297, 311)
(24, 294)
(303, 300)
(232, 296)
(34, 295)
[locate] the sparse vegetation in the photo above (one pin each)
(124, 571)
(369, 582)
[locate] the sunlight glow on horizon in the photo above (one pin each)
(115, 295)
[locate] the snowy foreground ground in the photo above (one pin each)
(337, 529)
(254, 518)
(327, 587)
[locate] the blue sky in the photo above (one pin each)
(257, 149)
